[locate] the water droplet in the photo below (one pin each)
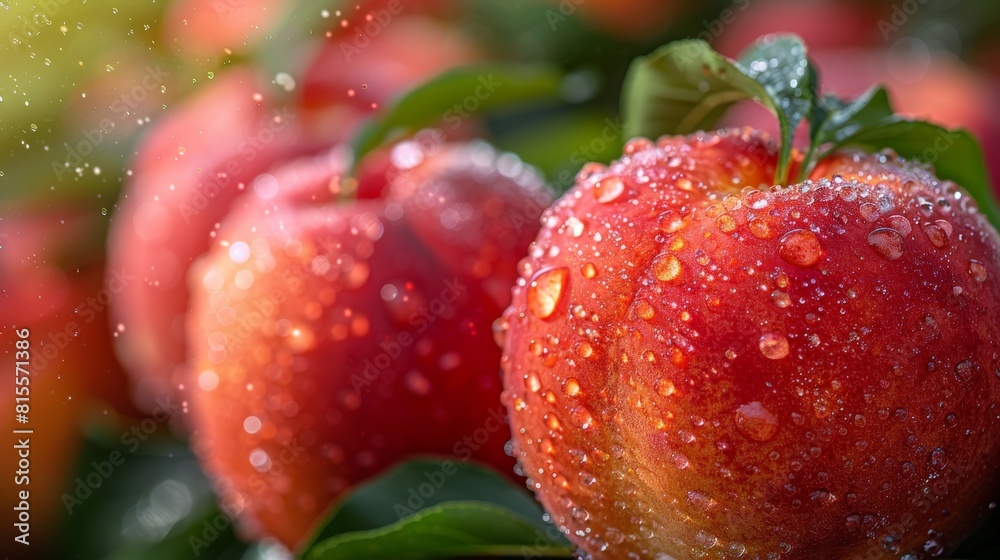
(589, 270)
(756, 422)
(773, 346)
(666, 267)
(637, 145)
(800, 247)
(664, 387)
(963, 370)
(644, 309)
(546, 291)
(726, 223)
(581, 417)
(900, 224)
(574, 226)
(977, 270)
(869, 211)
(500, 327)
(938, 233)
(534, 384)
(571, 387)
(760, 229)
(608, 189)
(780, 298)
(887, 242)
(939, 458)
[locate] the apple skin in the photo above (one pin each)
(355, 334)
(697, 368)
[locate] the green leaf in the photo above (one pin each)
(448, 530)
(458, 95)
(413, 506)
(834, 120)
(955, 154)
(686, 86)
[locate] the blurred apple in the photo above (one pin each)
(209, 27)
(225, 140)
(52, 284)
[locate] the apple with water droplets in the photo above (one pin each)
(331, 339)
(700, 364)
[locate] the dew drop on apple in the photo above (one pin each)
(571, 387)
(700, 500)
(726, 223)
(574, 226)
(664, 387)
(756, 422)
(500, 327)
(900, 224)
(760, 229)
(637, 145)
(869, 211)
(963, 370)
(977, 270)
(581, 416)
(939, 458)
(666, 267)
(800, 247)
(887, 242)
(546, 291)
(681, 461)
(907, 470)
(780, 298)
(938, 233)
(608, 189)
(773, 346)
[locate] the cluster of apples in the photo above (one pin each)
(692, 365)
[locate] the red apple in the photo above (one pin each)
(696, 366)
(53, 290)
(330, 340)
(201, 158)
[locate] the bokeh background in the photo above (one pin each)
(84, 83)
